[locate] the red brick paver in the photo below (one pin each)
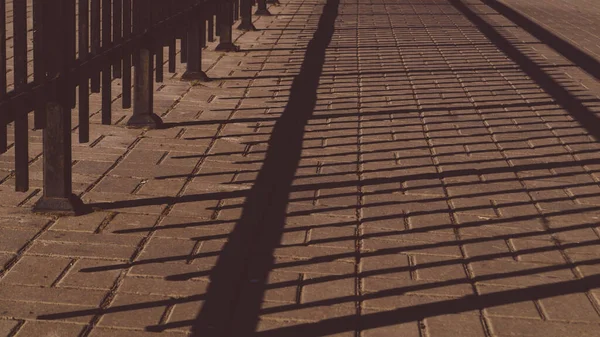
(371, 168)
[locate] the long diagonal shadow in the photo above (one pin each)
(418, 312)
(574, 54)
(263, 217)
(586, 118)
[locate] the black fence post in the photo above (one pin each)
(194, 53)
(274, 2)
(246, 14)
(57, 196)
(225, 28)
(262, 8)
(143, 116)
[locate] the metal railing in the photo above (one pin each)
(79, 47)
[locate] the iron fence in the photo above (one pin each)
(77, 47)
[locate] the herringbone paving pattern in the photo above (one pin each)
(361, 168)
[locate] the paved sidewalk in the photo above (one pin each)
(413, 168)
(573, 20)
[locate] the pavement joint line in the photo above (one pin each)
(106, 302)
(21, 252)
(64, 273)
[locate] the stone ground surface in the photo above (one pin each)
(361, 168)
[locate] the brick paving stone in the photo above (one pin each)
(50, 329)
(7, 326)
(135, 311)
(78, 277)
(455, 325)
(372, 168)
(36, 270)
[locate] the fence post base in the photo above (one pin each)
(149, 121)
(195, 76)
(71, 205)
(246, 16)
(225, 30)
(143, 115)
(246, 25)
(58, 197)
(227, 46)
(195, 42)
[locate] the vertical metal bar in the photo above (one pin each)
(84, 83)
(158, 13)
(70, 22)
(159, 64)
(236, 9)
(219, 18)
(20, 80)
(106, 70)
(172, 55)
(95, 35)
(3, 82)
(172, 52)
(202, 34)
(117, 34)
(184, 47)
(211, 23)
(39, 74)
(126, 85)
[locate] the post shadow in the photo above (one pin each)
(260, 227)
